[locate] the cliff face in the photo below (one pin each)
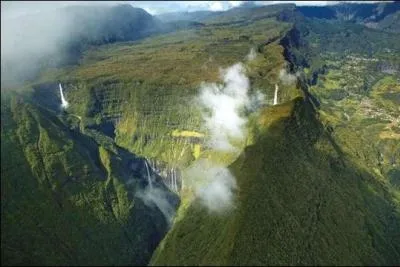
(67, 199)
(100, 182)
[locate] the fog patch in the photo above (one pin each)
(222, 104)
(287, 78)
(213, 186)
(223, 110)
(256, 101)
(156, 198)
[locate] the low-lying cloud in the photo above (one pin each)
(213, 185)
(155, 197)
(287, 78)
(223, 113)
(223, 104)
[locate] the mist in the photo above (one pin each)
(27, 39)
(40, 35)
(287, 78)
(155, 197)
(223, 107)
(213, 185)
(222, 104)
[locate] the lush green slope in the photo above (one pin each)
(357, 86)
(301, 200)
(313, 187)
(76, 173)
(146, 88)
(65, 199)
(364, 13)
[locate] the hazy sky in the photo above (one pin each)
(12, 9)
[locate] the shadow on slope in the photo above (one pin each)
(300, 201)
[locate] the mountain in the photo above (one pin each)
(301, 201)
(191, 16)
(66, 199)
(131, 171)
(360, 13)
(57, 38)
(312, 163)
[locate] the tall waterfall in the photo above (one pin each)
(64, 103)
(276, 94)
(175, 185)
(148, 175)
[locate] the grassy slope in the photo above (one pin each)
(301, 200)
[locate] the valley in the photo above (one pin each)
(254, 136)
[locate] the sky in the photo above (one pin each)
(17, 8)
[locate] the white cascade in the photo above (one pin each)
(148, 175)
(176, 184)
(276, 95)
(64, 103)
(173, 179)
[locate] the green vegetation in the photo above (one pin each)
(301, 200)
(58, 203)
(316, 186)
(114, 82)
(73, 167)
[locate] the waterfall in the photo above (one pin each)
(276, 95)
(64, 103)
(148, 175)
(173, 179)
(175, 185)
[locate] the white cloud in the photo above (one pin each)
(216, 6)
(213, 185)
(150, 10)
(155, 197)
(287, 78)
(224, 102)
(236, 3)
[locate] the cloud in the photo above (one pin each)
(155, 197)
(256, 100)
(223, 104)
(214, 186)
(216, 6)
(287, 78)
(26, 38)
(236, 3)
(223, 108)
